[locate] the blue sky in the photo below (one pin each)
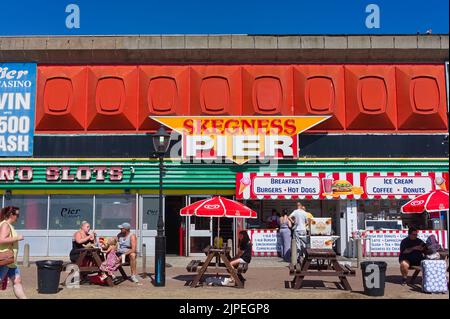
(48, 17)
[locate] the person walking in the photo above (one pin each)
(299, 218)
(285, 235)
(9, 239)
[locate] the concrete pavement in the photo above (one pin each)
(266, 278)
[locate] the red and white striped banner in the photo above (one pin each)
(336, 185)
(265, 242)
(386, 243)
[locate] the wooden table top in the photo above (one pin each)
(310, 252)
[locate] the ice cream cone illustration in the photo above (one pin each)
(440, 182)
(244, 182)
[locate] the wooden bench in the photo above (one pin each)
(349, 271)
(417, 270)
(242, 268)
(321, 256)
(194, 265)
(293, 269)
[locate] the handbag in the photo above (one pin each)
(7, 257)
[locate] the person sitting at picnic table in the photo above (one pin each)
(112, 261)
(81, 239)
(432, 248)
(127, 248)
(244, 255)
(411, 253)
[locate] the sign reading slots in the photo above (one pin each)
(240, 138)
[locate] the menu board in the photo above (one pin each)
(265, 242)
(387, 242)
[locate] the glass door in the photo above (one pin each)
(148, 221)
(199, 232)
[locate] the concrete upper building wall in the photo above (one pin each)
(227, 49)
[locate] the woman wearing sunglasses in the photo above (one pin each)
(9, 240)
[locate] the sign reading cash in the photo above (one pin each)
(240, 138)
(17, 103)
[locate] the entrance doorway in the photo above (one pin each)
(173, 223)
(199, 230)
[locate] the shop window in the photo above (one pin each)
(380, 214)
(67, 212)
(150, 208)
(113, 210)
(33, 211)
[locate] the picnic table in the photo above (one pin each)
(222, 262)
(326, 265)
(90, 260)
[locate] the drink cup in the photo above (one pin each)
(327, 182)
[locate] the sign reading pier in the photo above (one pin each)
(17, 104)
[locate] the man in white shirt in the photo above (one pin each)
(299, 218)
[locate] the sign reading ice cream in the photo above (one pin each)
(336, 185)
(408, 185)
(240, 138)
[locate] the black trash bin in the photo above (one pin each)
(48, 275)
(374, 283)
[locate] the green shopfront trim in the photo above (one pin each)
(141, 175)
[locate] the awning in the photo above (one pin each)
(336, 185)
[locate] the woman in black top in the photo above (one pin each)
(244, 254)
(81, 238)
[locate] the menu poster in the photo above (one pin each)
(387, 242)
(264, 242)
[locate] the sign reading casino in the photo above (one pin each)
(63, 174)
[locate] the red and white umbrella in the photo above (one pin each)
(434, 201)
(218, 207)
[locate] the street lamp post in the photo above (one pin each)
(161, 141)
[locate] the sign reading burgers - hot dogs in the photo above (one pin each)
(334, 185)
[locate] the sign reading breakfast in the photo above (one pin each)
(341, 185)
(286, 185)
(239, 138)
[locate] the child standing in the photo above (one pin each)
(112, 262)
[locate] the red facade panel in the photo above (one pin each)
(421, 97)
(216, 90)
(360, 98)
(319, 90)
(370, 97)
(163, 90)
(112, 98)
(267, 90)
(61, 99)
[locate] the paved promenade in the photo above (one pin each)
(266, 278)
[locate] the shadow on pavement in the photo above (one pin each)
(314, 284)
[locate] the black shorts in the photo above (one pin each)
(412, 261)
